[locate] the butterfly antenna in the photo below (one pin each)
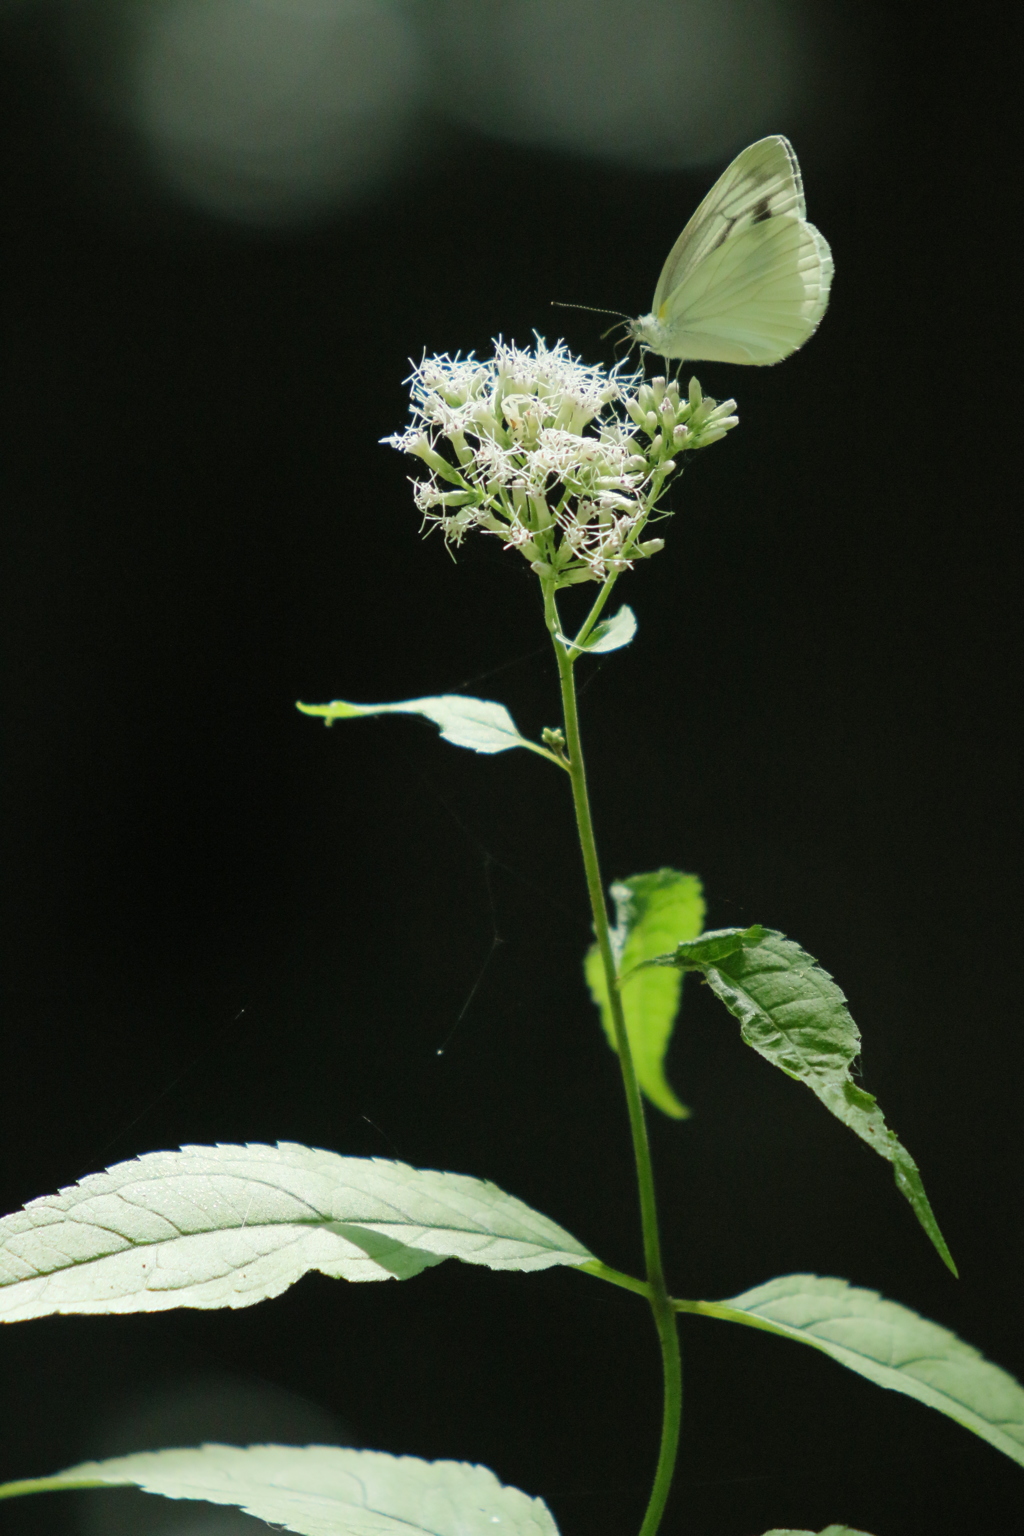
(590, 309)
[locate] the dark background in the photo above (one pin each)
(223, 923)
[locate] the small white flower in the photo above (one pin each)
(564, 461)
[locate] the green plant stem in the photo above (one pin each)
(543, 752)
(658, 1296)
(47, 1485)
(616, 1277)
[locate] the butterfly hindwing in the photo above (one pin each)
(754, 299)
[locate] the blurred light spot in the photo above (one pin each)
(266, 110)
(653, 83)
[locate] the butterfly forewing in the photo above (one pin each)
(762, 182)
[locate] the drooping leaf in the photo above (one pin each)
(321, 1490)
(653, 912)
(793, 1014)
(888, 1344)
(610, 635)
(229, 1226)
(479, 724)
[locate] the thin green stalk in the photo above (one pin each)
(661, 1304)
(654, 491)
(543, 752)
(616, 1277)
(47, 1485)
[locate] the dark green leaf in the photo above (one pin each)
(793, 1014)
(698, 954)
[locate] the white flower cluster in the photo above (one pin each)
(562, 461)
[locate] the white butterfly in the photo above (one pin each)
(748, 279)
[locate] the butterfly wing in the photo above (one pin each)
(748, 279)
(755, 299)
(762, 181)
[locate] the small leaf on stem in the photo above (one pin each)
(610, 635)
(478, 724)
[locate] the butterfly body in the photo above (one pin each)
(748, 279)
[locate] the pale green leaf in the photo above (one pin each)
(479, 724)
(654, 912)
(229, 1226)
(830, 1530)
(610, 635)
(793, 1014)
(888, 1344)
(321, 1490)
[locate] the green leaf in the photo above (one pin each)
(479, 724)
(321, 1490)
(653, 912)
(698, 954)
(830, 1530)
(610, 635)
(230, 1226)
(888, 1344)
(792, 1013)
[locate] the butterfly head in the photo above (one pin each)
(652, 334)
